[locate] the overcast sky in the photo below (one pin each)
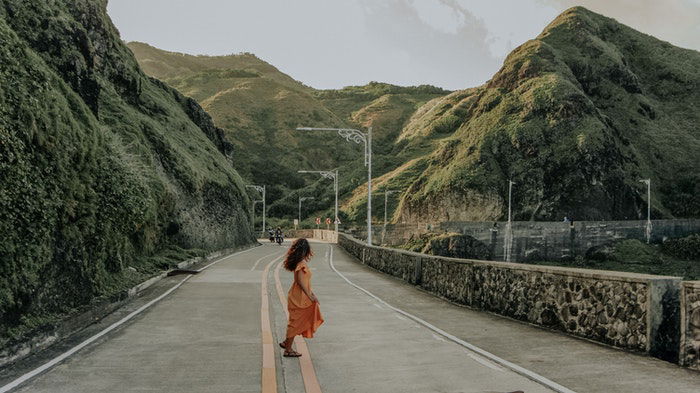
(453, 44)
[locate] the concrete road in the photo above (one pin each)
(577, 364)
(217, 332)
(204, 337)
(366, 347)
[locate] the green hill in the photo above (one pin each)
(575, 117)
(259, 107)
(175, 66)
(108, 176)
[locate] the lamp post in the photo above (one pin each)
(333, 175)
(510, 195)
(255, 203)
(386, 200)
(260, 189)
(508, 240)
(300, 200)
(648, 226)
(352, 135)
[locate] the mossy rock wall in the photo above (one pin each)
(107, 175)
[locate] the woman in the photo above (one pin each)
(304, 312)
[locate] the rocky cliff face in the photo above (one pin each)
(107, 174)
(575, 117)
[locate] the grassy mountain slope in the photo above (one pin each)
(107, 175)
(259, 107)
(575, 118)
(175, 66)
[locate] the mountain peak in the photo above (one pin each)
(578, 18)
(166, 65)
(595, 100)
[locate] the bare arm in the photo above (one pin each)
(307, 291)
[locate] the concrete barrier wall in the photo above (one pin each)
(690, 325)
(537, 240)
(297, 233)
(326, 235)
(632, 311)
(320, 234)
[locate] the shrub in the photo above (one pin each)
(447, 124)
(683, 248)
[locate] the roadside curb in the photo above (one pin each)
(74, 324)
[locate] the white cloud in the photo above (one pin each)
(333, 43)
(456, 57)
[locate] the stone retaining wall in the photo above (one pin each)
(690, 325)
(632, 311)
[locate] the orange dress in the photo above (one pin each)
(304, 314)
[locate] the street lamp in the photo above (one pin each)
(255, 203)
(352, 135)
(508, 239)
(333, 175)
(386, 199)
(300, 200)
(648, 226)
(260, 189)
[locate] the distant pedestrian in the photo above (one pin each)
(302, 304)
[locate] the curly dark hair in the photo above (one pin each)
(298, 252)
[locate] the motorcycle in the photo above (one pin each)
(279, 239)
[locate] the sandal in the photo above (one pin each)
(291, 354)
(282, 345)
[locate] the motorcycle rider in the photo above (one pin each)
(279, 236)
(271, 234)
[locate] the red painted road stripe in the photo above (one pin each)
(308, 373)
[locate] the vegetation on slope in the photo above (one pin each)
(575, 118)
(260, 107)
(175, 66)
(107, 175)
(450, 244)
(631, 255)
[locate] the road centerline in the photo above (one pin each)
(306, 366)
(268, 378)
